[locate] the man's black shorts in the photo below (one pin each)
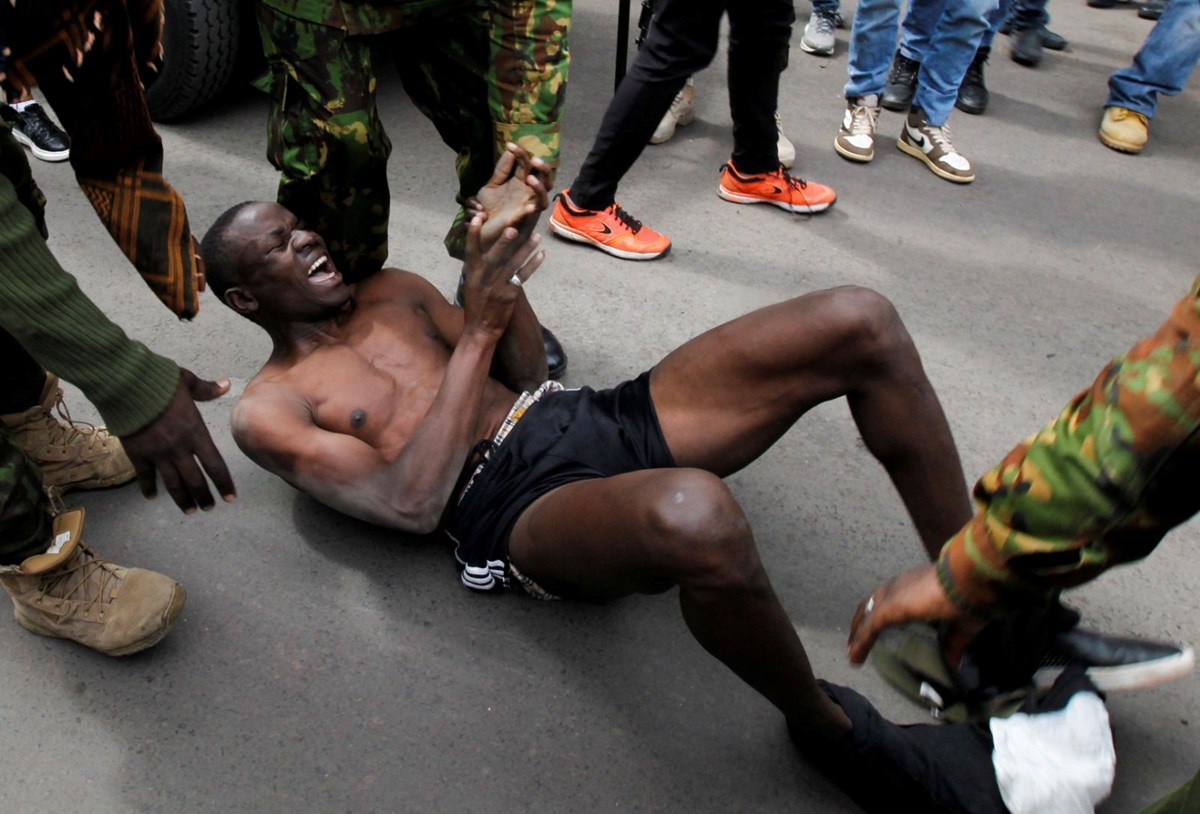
(565, 436)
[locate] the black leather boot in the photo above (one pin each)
(901, 83)
(973, 93)
(1027, 47)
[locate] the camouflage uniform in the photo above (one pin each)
(483, 71)
(1099, 485)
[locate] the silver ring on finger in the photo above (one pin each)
(870, 605)
(515, 280)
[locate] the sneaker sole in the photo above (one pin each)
(1120, 146)
(852, 156)
(567, 233)
(934, 168)
(44, 155)
(818, 51)
(95, 483)
(813, 209)
(178, 599)
(1130, 676)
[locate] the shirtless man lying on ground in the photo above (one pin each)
(385, 402)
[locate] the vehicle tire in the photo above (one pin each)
(200, 49)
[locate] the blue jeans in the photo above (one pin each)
(1026, 14)
(945, 34)
(825, 5)
(1164, 63)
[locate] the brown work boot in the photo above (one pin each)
(71, 454)
(68, 593)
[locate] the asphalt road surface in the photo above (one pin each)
(328, 666)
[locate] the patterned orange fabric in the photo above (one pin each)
(90, 57)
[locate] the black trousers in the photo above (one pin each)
(682, 41)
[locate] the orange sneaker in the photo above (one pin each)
(779, 188)
(611, 230)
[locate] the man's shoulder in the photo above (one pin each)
(390, 283)
(267, 398)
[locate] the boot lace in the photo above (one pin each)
(904, 70)
(940, 136)
(67, 431)
(863, 120)
(628, 221)
(825, 22)
(84, 578)
(796, 186)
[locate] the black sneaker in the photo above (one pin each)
(973, 93)
(1151, 9)
(37, 131)
(1114, 663)
(901, 84)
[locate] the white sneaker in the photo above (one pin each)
(680, 113)
(856, 138)
(818, 34)
(932, 145)
(787, 150)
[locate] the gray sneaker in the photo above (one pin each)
(856, 138)
(818, 34)
(922, 140)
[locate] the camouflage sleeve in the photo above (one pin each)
(528, 81)
(1099, 485)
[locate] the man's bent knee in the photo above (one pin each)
(867, 321)
(707, 542)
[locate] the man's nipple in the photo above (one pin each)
(358, 418)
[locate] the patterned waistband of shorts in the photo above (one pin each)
(524, 401)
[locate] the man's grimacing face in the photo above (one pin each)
(285, 268)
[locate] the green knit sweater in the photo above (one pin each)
(43, 307)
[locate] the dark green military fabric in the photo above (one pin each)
(483, 71)
(24, 519)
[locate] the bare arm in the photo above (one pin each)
(275, 426)
(515, 196)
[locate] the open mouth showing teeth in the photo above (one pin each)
(318, 273)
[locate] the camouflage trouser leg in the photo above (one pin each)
(1099, 485)
(325, 137)
(527, 85)
(24, 515)
(443, 63)
(324, 133)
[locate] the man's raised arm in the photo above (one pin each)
(274, 425)
(515, 196)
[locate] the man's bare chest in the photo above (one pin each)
(377, 381)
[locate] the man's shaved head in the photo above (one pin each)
(220, 260)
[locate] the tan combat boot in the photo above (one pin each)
(68, 593)
(71, 454)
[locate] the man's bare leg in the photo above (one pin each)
(726, 396)
(644, 532)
